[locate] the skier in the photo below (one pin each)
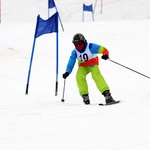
(86, 54)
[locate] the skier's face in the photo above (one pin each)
(79, 45)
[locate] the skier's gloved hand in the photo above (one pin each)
(65, 75)
(105, 57)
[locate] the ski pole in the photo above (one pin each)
(63, 91)
(129, 68)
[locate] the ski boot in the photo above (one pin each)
(86, 99)
(108, 98)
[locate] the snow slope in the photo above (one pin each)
(21, 11)
(39, 120)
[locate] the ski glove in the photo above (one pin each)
(65, 75)
(105, 57)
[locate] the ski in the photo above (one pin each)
(112, 103)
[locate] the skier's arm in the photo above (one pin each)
(71, 62)
(98, 49)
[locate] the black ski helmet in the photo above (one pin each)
(78, 38)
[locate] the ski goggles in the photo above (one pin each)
(77, 43)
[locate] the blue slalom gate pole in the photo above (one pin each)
(29, 72)
(59, 19)
(58, 14)
(31, 59)
(56, 86)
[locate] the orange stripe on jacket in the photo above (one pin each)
(91, 62)
(105, 52)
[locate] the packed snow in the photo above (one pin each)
(39, 120)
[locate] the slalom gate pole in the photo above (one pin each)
(63, 91)
(129, 68)
(29, 72)
(56, 86)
